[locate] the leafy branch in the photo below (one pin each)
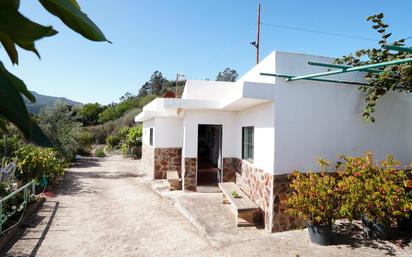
(17, 30)
(392, 78)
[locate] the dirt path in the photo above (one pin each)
(107, 207)
(104, 208)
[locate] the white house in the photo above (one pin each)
(259, 129)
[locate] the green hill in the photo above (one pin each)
(45, 100)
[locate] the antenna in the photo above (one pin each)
(177, 83)
(257, 44)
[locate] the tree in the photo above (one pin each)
(89, 113)
(145, 89)
(60, 125)
(392, 78)
(227, 75)
(156, 81)
(16, 29)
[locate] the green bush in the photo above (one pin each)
(378, 191)
(100, 152)
(134, 136)
(33, 162)
(84, 142)
(314, 198)
(118, 138)
(60, 125)
(132, 145)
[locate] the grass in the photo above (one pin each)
(100, 152)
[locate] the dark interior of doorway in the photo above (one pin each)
(209, 155)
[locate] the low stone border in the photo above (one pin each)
(30, 210)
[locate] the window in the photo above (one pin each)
(151, 136)
(247, 143)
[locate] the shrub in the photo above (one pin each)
(313, 199)
(100, 152)
(33, 162)
(60, 125)
(132, 145)
(377, 191)
(84, 142)
(134, 136)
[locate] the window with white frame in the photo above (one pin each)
(247, 143)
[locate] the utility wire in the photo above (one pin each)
(319, 32)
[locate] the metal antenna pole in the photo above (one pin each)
(177, 84)
(258, 35)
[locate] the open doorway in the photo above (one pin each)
(209, 155)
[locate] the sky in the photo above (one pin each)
(197, 38)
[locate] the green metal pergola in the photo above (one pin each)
(373, 68)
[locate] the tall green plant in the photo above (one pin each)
(17, 30)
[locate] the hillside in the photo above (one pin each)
(45, 100)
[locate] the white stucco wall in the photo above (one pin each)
(167, 132)
(209, 89)
(262, 118)
(146, 131)
(315, 121)
(192, 119)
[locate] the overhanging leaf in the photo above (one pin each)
(20, 86)
(70, 14)
(10, 4)
(19, 28)
(12, 108)
(29, 46)
(10, 48)
(11, 103)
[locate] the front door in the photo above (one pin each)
(209, 155)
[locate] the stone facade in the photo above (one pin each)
(269, 192)
(167, 159)
(258, 185)
(282, 220)
(230, 167)
(190, 174)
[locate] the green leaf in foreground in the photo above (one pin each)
(12, 107)
(70, 14)
(19, 28)
(10, 48)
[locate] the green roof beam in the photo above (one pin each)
(314, 79)
(340, 66)
(352, 69)
(399, 48)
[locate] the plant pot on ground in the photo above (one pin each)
(314, 200)
(321, 234)
(374, 191)
(376, 230)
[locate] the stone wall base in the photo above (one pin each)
(190, 174)
(230, 167)
(282, 220)
(166, 159)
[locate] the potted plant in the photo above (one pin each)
(314, 200)
(375, 192)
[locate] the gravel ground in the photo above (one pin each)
(107, 207)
